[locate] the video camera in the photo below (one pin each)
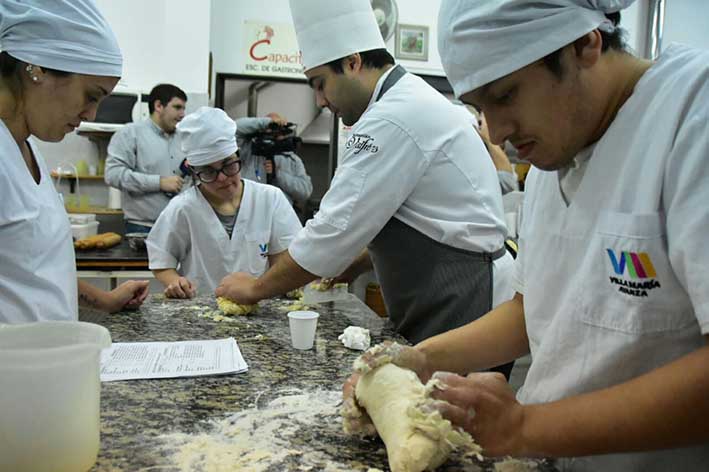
(276, 139)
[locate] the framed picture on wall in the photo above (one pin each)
(411, 42)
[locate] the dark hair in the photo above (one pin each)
(164, 93)
(614, 41)
(374, 59)
(10, 70)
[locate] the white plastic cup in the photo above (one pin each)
(302, 328)
(93, 170)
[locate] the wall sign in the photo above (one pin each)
(272, 50)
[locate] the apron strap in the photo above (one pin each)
(397, 73)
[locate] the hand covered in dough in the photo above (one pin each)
(239, 287)
(484, 405)
(355, 419)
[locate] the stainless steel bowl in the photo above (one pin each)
(136, 241)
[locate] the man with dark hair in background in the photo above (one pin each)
(415, 195)
(144, 159)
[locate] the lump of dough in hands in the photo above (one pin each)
(416, 438)
(228, 307)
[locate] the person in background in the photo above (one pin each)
(612, 295)
(144, 159)
(290, 174)
(505, 171)
(415, 195)
(223, 224)
(46, 92)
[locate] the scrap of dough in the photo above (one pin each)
(295, 294)
(228, 307)
(416, 438)
(323, 287)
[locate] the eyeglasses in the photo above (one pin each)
(210, 174)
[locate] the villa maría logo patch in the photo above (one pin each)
(636, 266)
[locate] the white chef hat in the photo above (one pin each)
(206, 136)
(481, 40)
(332, 29)
(65, 35)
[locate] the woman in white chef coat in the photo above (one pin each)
(223, 224)
(59, 60)
(612, 295)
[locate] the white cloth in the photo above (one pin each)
(481, 40)
(37, 264)
(207, 136)
(66, 35)
(432, 174)
(596, 316)
(189, 237)
(329, 30)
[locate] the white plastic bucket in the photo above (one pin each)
(50, 395)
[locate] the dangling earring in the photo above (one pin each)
(29, 71)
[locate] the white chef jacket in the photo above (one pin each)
(414, 157)
(37, 263)
(189, 237)
(615, 283)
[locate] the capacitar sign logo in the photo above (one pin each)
(272, 49)
(634, 265)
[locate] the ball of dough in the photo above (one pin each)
(228, 307)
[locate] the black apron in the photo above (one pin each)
(428, 287)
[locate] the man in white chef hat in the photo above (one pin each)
(224, 224)
(612, 295)
(416, 195)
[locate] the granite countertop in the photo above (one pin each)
(281, 415)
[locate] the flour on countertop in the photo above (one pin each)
(260, 437)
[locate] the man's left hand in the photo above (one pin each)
(484, 405)
(239, 287)
(127, 296)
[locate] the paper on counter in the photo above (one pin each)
(161, 360)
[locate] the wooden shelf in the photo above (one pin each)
(94, 210)
(56, 175)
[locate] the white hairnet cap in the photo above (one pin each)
(65, 35)
(206, 136)
(481, 40)
(333, 29)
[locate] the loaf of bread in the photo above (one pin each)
(99, 241)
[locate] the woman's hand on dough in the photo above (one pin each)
(484, 405)
(180, 288)
(239, 287)
(355, 420)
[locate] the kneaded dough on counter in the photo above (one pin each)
(228, 307)
(416, 439)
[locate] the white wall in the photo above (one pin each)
(162, 41)
(227, 41)
(686, 22)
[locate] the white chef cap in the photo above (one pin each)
(481, 40)
(206, 136)
(332, 29)
(65, 35)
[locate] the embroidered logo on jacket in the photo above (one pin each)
(638, 267)
(361, 142)
(263, 250)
